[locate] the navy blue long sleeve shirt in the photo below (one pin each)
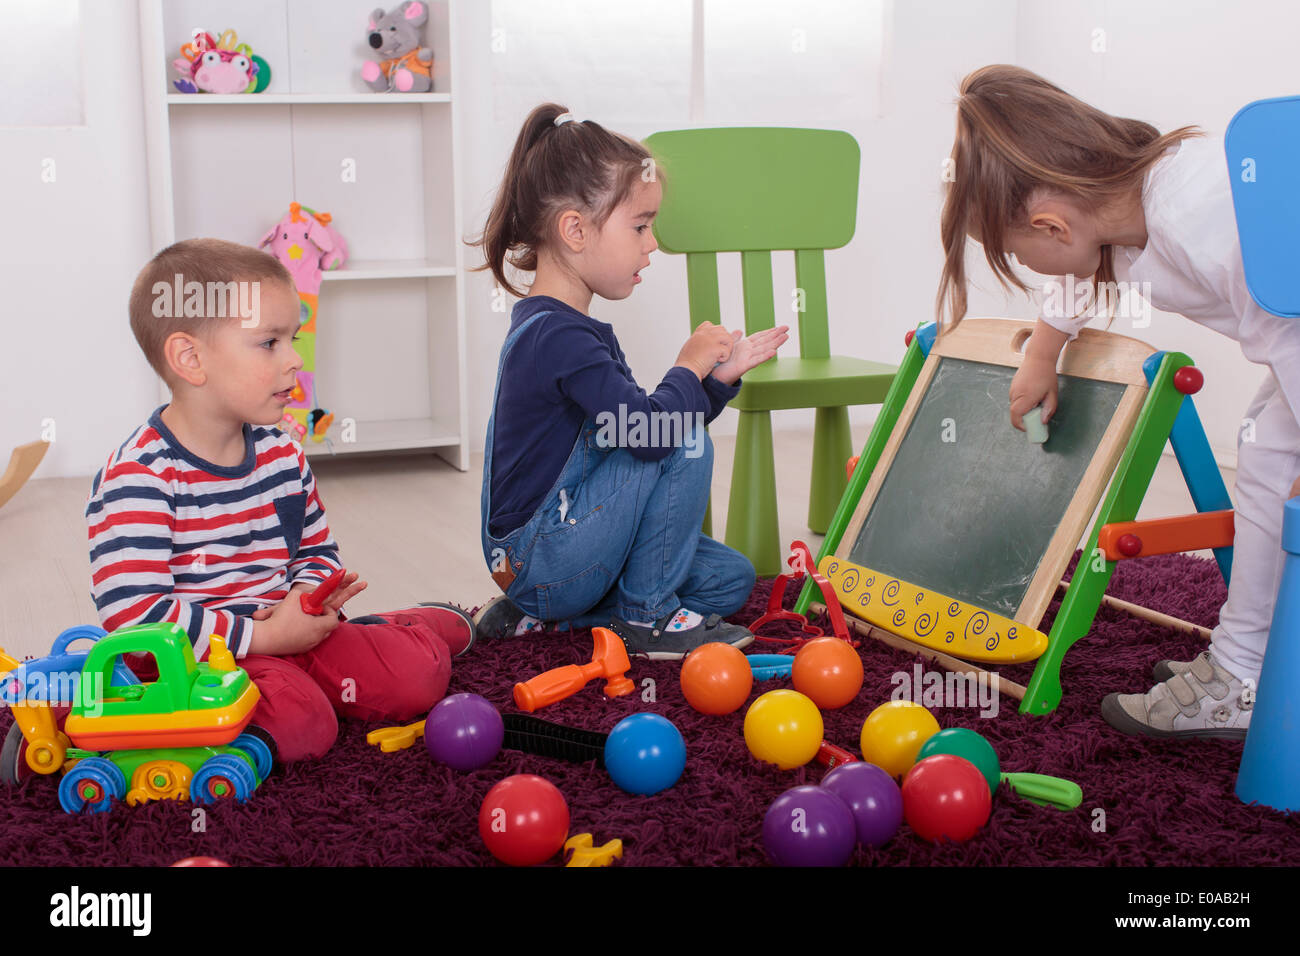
(564, 368)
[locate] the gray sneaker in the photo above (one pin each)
(1203, 701)
(500, 618)
(658, 643)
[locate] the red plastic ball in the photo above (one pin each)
(911, 334)
(524, 820)
(946, 797)
(1129, 545)
(1189, 379)
(200, 861)
(828, 671)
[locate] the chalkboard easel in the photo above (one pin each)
(986, 528)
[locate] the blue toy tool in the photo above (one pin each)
(767, 666)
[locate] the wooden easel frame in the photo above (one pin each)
(22, 463)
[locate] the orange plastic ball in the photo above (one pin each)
(716, 678)
(829, 671)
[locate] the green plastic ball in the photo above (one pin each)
(969, 745)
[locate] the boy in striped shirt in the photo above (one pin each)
(208, 516)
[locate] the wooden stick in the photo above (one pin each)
(22, 463)
(1155, 617)
(947, 661)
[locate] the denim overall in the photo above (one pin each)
(614, 536)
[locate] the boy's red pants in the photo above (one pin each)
(370, 671)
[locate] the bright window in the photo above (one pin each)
(690, 62)
(40, 68)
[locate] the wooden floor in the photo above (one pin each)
(407, 524)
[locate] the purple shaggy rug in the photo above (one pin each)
(1165, 804)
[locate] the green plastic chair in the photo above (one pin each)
(755, 191)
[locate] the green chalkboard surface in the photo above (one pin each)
(969, 505)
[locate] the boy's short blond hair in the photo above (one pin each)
(157, 305)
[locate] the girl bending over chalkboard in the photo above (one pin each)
(1072, 192)
(594, 491)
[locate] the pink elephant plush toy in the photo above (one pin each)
(308, 245)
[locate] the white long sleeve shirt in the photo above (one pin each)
(1192, 261)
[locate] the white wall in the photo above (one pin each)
(69, 250)
(71, 247)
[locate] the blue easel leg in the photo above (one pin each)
(1200, 471)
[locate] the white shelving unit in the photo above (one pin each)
(390, 344)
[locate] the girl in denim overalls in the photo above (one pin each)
(593, 490)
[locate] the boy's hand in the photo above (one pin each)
(349, 587)
(750, 351)
(287, 629)
(707, 346)
(1295, 489)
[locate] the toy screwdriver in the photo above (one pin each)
(313, 602)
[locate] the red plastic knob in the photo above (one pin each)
(1129, 545)
(911, 334)
(1189, 380)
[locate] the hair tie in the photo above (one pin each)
(565, 118)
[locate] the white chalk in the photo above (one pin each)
(1035, 427)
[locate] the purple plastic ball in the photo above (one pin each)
(464, 731)
(873, 796)
(809, 826)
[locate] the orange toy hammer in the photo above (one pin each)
(608, 660)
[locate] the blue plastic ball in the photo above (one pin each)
(645, 754)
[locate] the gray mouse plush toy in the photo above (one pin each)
(405, 64)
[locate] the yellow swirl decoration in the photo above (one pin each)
(904, 608)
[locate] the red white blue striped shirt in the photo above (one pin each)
(176, 538)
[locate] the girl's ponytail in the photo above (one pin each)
(578, 164)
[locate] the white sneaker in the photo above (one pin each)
(1202, 701)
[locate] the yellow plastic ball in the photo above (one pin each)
(785, 728)
(894, 733)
